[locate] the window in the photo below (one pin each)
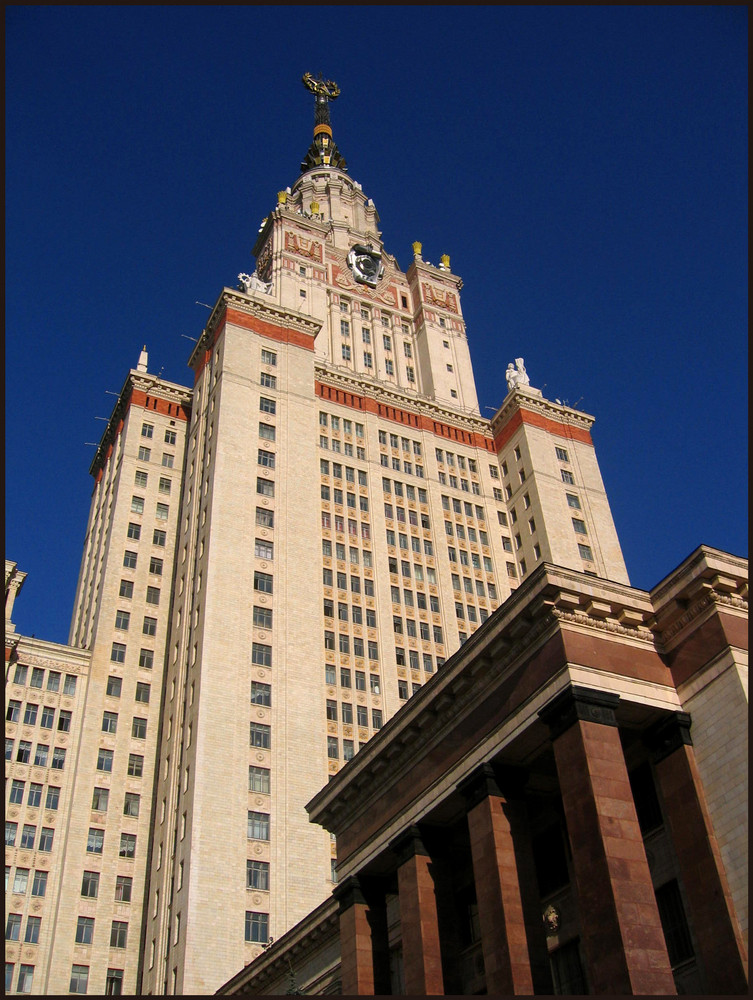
(147, 430)
(146, 660)
(145, 454)
(104, 760)
(257, 927)
(170, 437)
(263, 549)
(260, 735)
(39, 885)
(131, 804)
(346, 352)
(267, 405)
(258, 779)
(127, 845)
(129, 560)
(167, 460)
(257, 875)
(53, 797)
(150, 626)
(159, 537)
(333, 750)
(265, 487)
(85, 930)
(567, 971)
(261, 694)
(567, 477)
(268, 357)
(13, 713)
(265, 458)
(118, 652)
(135, 765)
(402, 690)
(24, 752)
(118, 934)
(95, 841)
(46, 837)
(100, 798)
(58, 758)
(53, 681)
(140, 478)
(114, 983)
(109, 723)
(90, 886)
(13, 927)
(258, 825)
(265, 518)
(138, 729)
(585, 552)
(561, 454)
(137, 505)
(122, 620)
(114, 685)
(35, 795)
(390, 370)
(162, 512)
(579, 526)
(21, 881)
(261, 654)
(10, 833)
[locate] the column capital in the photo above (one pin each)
(668, 734)
(579, 703)
(408, 845)
(348, 893)
(503, 782)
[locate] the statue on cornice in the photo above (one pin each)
(516, 375)
(253, 283)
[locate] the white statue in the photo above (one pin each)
(253, 283)
(516, 375)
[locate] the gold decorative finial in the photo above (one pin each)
(314, 207)
(282, 197)
(445, 260)
(417, 248)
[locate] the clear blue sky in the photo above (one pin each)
(585, 167)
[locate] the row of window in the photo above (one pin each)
(336, 495)
(168, 459)
(159, 537)
(346, 448)
(351, 474)
(32, 711)
(407, 467)
(141, 478)
(34, 795)
(468, 587)
(21, 675)
(340, 423)
(95, 843)
(410, 629)
(28, 841)
(80, 981)
(85, 928)
(355, 555)
(147, 431)
(419, 602)
(463, 484)
(466, 532)
(449, 459)
(346, 678)
(362, 714)
(162, 510)
(23, 878)
(358, 646)
(42, 756)
(340, 580)
(337, 522)
(387, 319)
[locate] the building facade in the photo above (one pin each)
(544, 816)
(277, 560)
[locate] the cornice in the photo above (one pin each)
(259, 308)
(414, 402)
(520, 398)
(687, 573)
(711, 599)
(639, 633)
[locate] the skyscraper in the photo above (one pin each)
(275, 561)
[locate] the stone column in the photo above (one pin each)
(711, 911)
(422, 955)
(356, 953)
(623, 941)
(512, 933)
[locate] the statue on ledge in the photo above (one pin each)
(516, 375)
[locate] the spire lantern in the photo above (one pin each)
(323, 151)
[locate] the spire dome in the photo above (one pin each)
(323, 151)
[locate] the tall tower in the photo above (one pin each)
(348, 520)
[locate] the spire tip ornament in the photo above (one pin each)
(323, 151)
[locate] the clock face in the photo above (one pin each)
(366, 265)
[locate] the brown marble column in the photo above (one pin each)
(356, 952)
(422, 955)
(512, 934)
(623, 941)
(711, 911)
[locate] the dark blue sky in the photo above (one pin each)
(585, 167)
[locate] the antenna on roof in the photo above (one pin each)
(206, 305)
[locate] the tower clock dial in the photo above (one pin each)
(366, 265)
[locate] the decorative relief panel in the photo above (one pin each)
(438, 297)
(303, 246)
